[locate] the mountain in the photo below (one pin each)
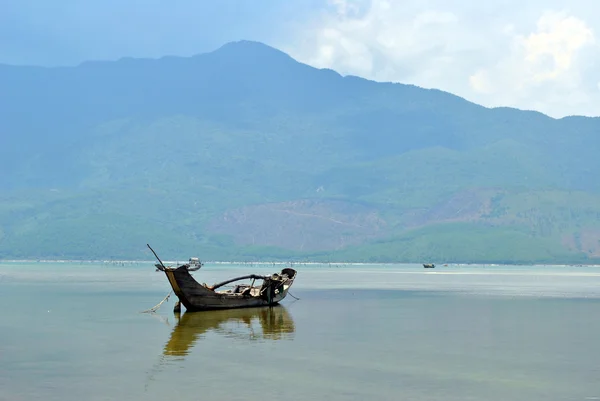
(244, 154)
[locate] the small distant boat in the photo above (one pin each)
(428, 265)
(199, 297)
(193, 265)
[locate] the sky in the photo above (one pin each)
(539, 55)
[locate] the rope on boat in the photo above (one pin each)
(290, 294)
(155, 307)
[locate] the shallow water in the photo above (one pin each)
(386, 332)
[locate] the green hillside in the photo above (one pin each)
(245, 154)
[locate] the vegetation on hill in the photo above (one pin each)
(246, 154)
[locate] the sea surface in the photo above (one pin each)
(75, 331)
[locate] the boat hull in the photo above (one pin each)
(197, 297)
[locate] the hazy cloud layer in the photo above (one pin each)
(536, 54)
(540, 54)
(67, 32)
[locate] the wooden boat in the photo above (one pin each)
(428, 265)
(198, 297)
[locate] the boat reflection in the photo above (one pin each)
(249, 324)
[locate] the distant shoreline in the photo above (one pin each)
(274, 263)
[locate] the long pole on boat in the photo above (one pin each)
(154, 308)
(161, 263)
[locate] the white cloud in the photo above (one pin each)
(532, 56)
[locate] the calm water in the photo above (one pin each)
(394, 332)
